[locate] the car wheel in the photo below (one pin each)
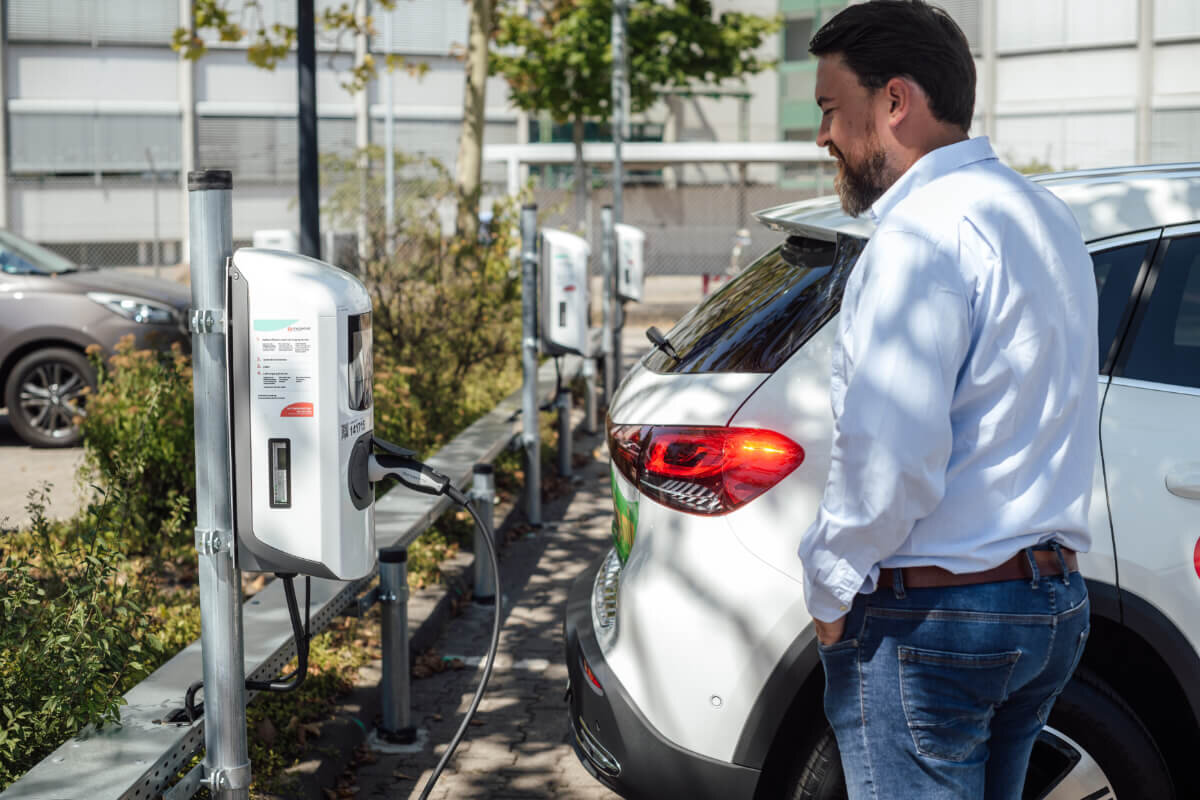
(1095, 748)
(46, 391)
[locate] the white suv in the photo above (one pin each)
(693, 661)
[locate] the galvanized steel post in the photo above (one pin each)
(620, 111)
(396, 686)
(589, 401)
(531, 439)
(226, 758)
(610, 301)
(563, 402)
(483, 495)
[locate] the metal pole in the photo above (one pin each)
(620, 121)
(589, 400)
(154, 201)
(306, 52)
(396, 687)
(564, 433)
(483, 495)
(531, 433)
(389, 140)
(609, 303)
(226, 759)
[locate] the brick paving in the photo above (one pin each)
(518, 745)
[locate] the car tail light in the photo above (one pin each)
(702, 470)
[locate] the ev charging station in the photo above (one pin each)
(285, 457)
(631, 262)
(301, 415)
(563, 293)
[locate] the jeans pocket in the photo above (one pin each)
(949, 698)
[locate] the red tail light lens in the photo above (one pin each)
(703, 470)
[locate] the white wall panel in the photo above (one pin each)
(1176, 18)
(1176, 77)
(1047, 24)
(1173, 136)
(1075, 141)
(1066, 81)
(226, 76)
(87, 73)
(1093, 22)
(1029, 24)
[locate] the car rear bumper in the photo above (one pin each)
(612, 739)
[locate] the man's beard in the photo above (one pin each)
(859, 187)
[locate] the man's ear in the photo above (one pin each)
(899, 94)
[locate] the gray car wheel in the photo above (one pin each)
(45, 394)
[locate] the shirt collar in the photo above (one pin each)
(931, 166)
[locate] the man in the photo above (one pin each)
(940, 568)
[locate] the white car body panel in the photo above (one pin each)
(648, 398)
(1150, 431)
(701, 624)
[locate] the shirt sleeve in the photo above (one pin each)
(904, 342)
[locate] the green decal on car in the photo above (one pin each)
(625, 520)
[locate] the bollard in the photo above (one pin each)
(483, 494)
(589, 400)
(607, 245)
(396, 689)
(531, 438)
(226, 753)
(564, 433)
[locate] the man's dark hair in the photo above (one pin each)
(885, 39)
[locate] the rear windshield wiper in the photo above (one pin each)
(659, 341)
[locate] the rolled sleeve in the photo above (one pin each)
(904, 342)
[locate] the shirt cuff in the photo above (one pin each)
(831, 600)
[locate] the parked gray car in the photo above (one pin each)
(51, 310)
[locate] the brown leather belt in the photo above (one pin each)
(1015, 569)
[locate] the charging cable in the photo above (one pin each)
(192, 710)
(396, 462)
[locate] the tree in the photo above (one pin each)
(468, 169)
(560, 59)
(270, 44)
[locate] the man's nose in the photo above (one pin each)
(823, 139)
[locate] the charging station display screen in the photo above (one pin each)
(360, 370)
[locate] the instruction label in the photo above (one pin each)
(285, 364)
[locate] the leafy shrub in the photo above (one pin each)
(447, 312)
(138, 433)
(73, 634)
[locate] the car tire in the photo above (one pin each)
(1095, 747)
(45, 392)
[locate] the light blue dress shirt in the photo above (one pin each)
(964, 382)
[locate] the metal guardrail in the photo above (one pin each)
(139, 758)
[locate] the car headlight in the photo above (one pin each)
(138, 309)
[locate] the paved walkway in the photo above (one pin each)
(519, 743)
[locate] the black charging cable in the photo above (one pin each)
(404, 466)
(192, 710)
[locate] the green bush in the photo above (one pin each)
(447, 312)
(138, 433)
(74, 635)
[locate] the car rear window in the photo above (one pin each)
(759, 318)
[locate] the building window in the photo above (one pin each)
(109, 21)
(75, 144)
(797, 33)
(1173, 135)
(266, 149)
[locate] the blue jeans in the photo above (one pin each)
(940, 693)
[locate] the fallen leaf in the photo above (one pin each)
(404, 776)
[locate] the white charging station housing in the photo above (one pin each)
(631, 262)
(563, 290)
(301, 415)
